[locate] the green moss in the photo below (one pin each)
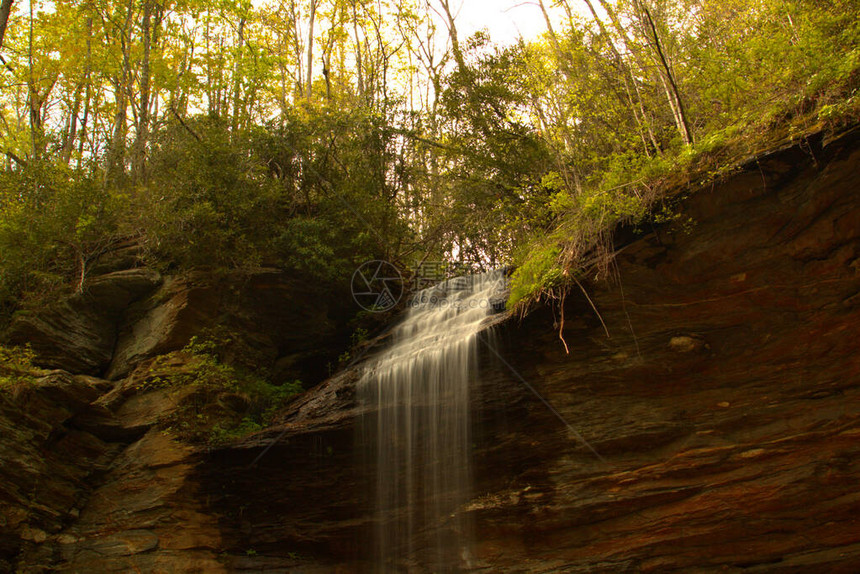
(540, 271)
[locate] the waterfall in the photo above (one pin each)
(417, 397)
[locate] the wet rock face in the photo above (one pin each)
(726, 402)
(724, 407)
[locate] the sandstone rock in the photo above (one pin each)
(146, 516)
(689, 484)
(101, 422)
(33, 534)
(126, 543)
(78, 334)
(164, 322)
(271, 314)
(128, 254)
(64, 431)
(46, 462)
(686, 344)
(69, 335)
(117, 290)
(67, 392)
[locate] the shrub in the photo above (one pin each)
(216, 401)
(16, 367)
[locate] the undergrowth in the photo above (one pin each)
(641, 191)
(216, 402)
(16, 368)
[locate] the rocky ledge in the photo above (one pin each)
(724, 407)
(716, 428)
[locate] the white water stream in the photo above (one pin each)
(417, 393)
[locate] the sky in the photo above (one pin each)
(505, 20)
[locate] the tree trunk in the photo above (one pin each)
(142, 136)
(359, 56)
(116, 152)
(309, 82)
(237, 75)
(329, 49)
(212, 102)
(297, 48)
(552, 36)
(5, 10)
(455, 41)
(88, 95)
(34, 99)
(72, 131)
(641, 118)
(681, 114)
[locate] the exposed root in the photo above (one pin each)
(593, 306)
(561, 323)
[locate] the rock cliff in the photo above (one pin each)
(724, 408)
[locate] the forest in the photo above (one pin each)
(312, 135)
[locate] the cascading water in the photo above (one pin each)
(417, 397)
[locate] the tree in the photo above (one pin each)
(314, 130)
(313, 12)
(5, 10)
(667, 76)
(115, 159)
(139, 152)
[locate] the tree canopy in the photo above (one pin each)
(315, 134)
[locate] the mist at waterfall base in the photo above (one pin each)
(417, 430)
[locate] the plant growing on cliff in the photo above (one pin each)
(54, 225)
(750, 76)
(215, 401)
(16, 367)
